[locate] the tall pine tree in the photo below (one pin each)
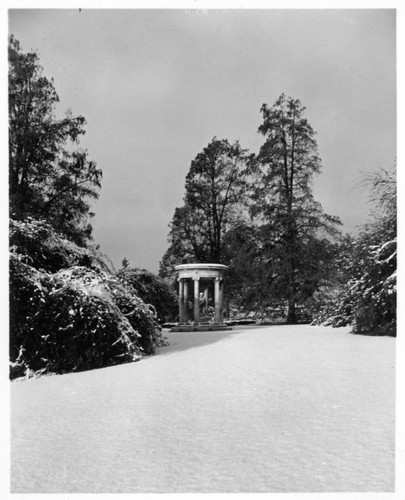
(295, 226)
(48, 178)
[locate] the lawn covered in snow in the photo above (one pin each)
(259, 409)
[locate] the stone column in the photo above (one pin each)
(196, 300)
(221, 300)
(181, 300)
(185, 296)
(218, 300)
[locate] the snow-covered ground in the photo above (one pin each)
(266, 409)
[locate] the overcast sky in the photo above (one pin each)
(157, 85)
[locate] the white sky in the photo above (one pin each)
(157, 85)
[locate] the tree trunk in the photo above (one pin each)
(292, 287)
(291, 315)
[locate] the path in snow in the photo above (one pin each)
(267, 409)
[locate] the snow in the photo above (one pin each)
(259, 409)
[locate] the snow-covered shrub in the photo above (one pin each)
(372, 283)
(375, 291)
(75, 319)
(38, 245)
(68, 312)
(367, 297)
(28, 291)
(152, 290)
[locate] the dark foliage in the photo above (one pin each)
(152, 290)
(297, 232)
(48, 177)
(67, 311)
(257, 214)
(365, 294)
(74, 320)
(38, 245)
(215, 192)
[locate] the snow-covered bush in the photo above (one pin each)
(75, 319)
(367, 300)
(329, 307)
(374, 292)
(65, 316)
(37, 244)
(367, 297)
(152, 290)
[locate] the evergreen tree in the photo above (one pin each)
(48, 179)
(294, 226)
